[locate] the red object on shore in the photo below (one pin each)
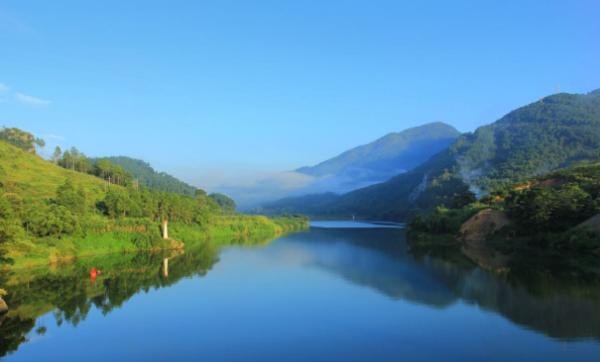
(93, 274)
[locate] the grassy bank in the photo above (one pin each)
(133, 235)
(246, 229)
(54, 212)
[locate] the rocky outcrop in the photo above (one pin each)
(482, 225)
(474, 233)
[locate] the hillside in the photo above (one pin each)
(147, 176)
(30, 176)
(381, 159)
(540, 137)
(51, 214)
(556, 213)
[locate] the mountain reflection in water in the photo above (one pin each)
(375, 259)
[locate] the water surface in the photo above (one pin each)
(335, 292)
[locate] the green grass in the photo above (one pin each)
(223, 230)
(29, 176)
(25, 176)
(238, 229)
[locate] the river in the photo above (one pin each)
(340, 291)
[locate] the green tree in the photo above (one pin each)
(71, 198)
(56, 155)
(21, 139)
(10, 228)
(117, 203)
(42, 220)
(225, 202)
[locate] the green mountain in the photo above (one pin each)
(381, 159)
(147, 176)
(540, 137)
(54, 211)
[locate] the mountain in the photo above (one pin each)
(381, 159)
(50, 214)
(356, 168)
(543, 136)
(148, 177)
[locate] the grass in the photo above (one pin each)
(26, 176)
(223, 230)
(29, 176)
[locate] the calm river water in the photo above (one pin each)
(338, 292)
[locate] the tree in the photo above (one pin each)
(56, 155)
(225, 202)
(10, 228)
(42, 219)
(72, 199)
(19, 138)
(117, 203)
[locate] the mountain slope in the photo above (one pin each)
(29, 176)
(532, 140)
(379, 160)
(148, 177)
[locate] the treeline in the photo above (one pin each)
(76, 211)
(225, 202)
(147, 176)
(72, 210)
(75, 160)
(545, 212)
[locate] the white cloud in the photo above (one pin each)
(30, 100)
(53, 137)
(4, 88)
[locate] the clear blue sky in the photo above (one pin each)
(215, 90)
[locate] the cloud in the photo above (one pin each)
(51, 136)
(286, 181)
(250, 192)
(7, 93)
(30, 100)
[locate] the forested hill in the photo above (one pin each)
(381, 159)
(56, 210)
(148, 177)
(543, 136)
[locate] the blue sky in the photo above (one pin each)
(221, 91)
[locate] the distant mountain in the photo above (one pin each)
(313, 204)
(356, 168)
(540, 137)
(147, 176)
(381, 159)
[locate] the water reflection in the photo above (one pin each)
(70, 291)
(557, 304)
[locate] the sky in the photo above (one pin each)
(224, 92)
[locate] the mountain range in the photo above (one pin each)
(358, 167)
(381, 159)
(545, 135)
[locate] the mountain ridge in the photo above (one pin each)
(531, 140)
(387, 147)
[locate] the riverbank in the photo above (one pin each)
(141, 235)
